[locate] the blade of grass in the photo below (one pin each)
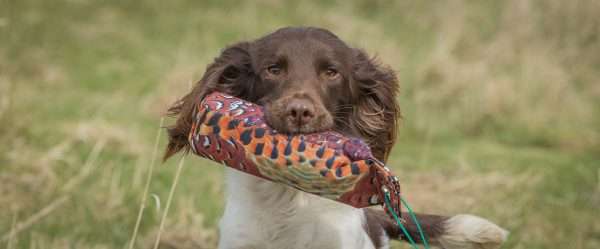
(164, 217)
(148, 180)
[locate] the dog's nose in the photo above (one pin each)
(300, 111)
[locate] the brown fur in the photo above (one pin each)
(378, 222)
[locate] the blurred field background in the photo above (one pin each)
(501, 103)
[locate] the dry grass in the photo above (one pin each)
(501, 103)
(515, 79)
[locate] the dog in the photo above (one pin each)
(309, 80)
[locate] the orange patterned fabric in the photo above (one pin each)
(233, 132)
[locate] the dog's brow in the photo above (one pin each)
(327, 61)
(279, 59)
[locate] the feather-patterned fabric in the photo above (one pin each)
(233, 132)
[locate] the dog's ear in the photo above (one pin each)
(376, 113)
(230, 73)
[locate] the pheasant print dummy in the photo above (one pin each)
(233, 132)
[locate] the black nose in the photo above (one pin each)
(300, 111)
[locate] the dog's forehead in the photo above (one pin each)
(292, 44)
(298, 39)
(299, 48)
(304, 48)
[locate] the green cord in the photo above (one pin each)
(414, 218)
(387, 201)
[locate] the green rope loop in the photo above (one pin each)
(414, 218)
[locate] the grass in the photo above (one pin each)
(501, 105)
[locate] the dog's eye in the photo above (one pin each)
(274, 69)
(331, 73)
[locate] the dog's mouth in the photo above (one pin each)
(277, 119)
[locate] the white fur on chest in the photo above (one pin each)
(262, 214)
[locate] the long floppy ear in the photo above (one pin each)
(230, 73)
(376, 112)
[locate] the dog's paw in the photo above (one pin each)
(471, 232)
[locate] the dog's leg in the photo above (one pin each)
(460, 231)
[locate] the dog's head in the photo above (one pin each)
(308, 80)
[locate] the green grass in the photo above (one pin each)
(501, 104)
